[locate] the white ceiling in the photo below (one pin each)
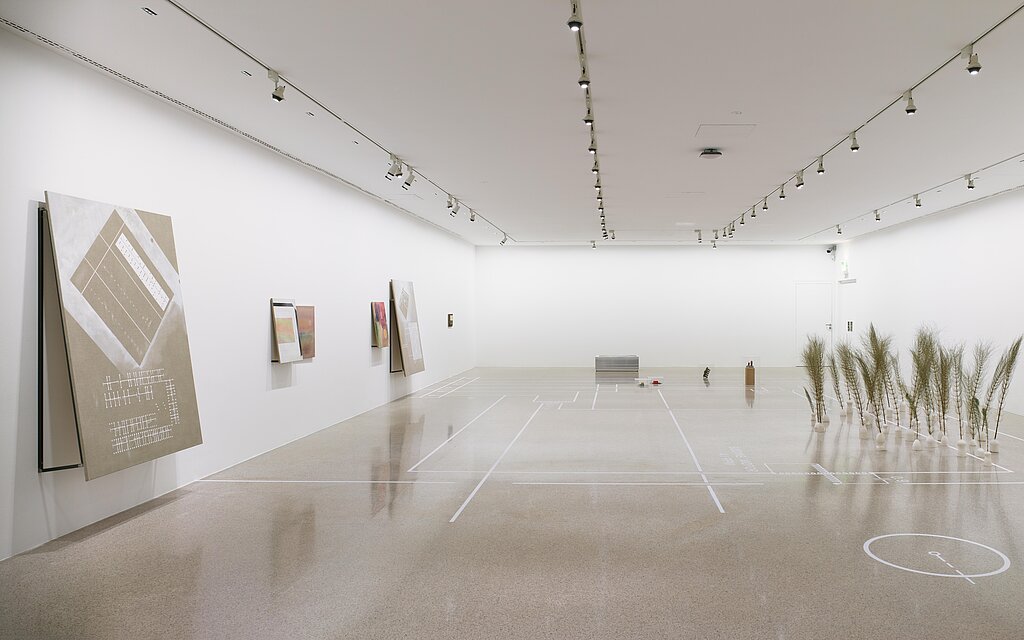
(482, 98)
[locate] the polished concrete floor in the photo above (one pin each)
(543, 504)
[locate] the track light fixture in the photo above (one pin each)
(973, 66)
(455, 209)
(714, 244)
(597, 185)
(743, 219)
(575, 21)
(593, 244)
(451, 201)
(595, 169)
(909, 97)
(821, 165)
(584, 81)
(917, 200)
(753, 212)
(472, 215)
(970, 181)
(409, 178)
(588, 119)
(396, 168)
(716, 234)
(612, 232)
(854, 147)
(278, 93)
(700, 237)
(782, 191)
(800, 179)
(839, 230)
(592, 148)
(878, 216)
(764, 207)
(503, 240)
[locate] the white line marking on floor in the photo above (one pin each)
(452, 437)
(770, 470)
(825, 472)
(444, 386)
(593, 405)
(696, 463)
(331, 481)
(1012, 436)
(496, 463)
(641, 484)
(458, 387)
(880, 477)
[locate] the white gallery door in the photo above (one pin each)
(813, 312)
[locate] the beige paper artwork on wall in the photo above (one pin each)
(408, 357)
(124, 331)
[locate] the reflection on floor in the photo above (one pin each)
(546, 504)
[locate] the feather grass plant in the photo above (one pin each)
(847, 356)
(833, 370)
(813, 357)
(1010, 365)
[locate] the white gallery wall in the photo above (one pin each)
(955, 271)
(672, 306)
(249, 225)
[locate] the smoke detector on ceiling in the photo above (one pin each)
(710, 154)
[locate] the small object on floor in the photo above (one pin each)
(655, 380)
(707, 372)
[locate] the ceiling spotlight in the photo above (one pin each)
(743, 219)
(584, 81)
(503, 240)
(595, 169)
(839, 230)
(710, 154)
(278, 93)
(409, 177)
(800, 180)
(878, 216)
(753, 212)
(575, 21)
(472, 215)
(593, 244)
(821, 165)
(455, 209)
(396, 168)
(782, 191)
(973, 66)
(732, 230)
(970, 181)
(764, 207)
(700, 237)
(854, 147)
(716, 234)
(592, 148)
(714, 244)
(588, 119)
(451, 202)
(911, 109)
(597, 185)
(613, 234)
(917, 200)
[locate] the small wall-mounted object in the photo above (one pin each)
(849, 326)
(285, 326)
(748, 374)
(451, 319)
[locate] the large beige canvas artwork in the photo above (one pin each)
(124, 330)
(406, 322)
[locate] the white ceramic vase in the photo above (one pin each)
(917, 446)
(819, 427)
(993, 446)
(931, 441)
(880, 441)
(961, 448)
